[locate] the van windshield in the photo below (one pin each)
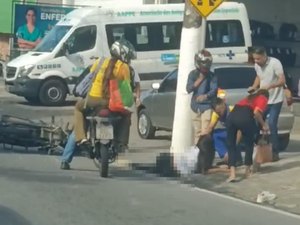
(50, 41)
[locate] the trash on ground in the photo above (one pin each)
(265, 196)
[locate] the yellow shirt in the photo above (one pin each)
(215, 117)
(120, 71)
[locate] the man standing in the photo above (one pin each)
(203, 84)
(136, 88)
(270, 76)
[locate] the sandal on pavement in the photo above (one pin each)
(231, 180)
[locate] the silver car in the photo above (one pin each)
(157, 109)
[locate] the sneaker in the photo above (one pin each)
(65, 166)
(126, 149)
(275, 157)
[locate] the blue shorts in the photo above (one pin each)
(219, 136)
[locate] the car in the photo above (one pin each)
(156, 111)
(292, 77)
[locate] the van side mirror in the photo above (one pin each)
(65, 49)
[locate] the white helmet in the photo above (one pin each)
(123, 50)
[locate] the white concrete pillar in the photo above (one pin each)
(191, 42)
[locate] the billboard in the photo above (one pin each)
(33, 22)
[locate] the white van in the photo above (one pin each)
(48, 73)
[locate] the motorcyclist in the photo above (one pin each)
(202, 83)
(117, 66)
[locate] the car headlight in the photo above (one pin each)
(25, 70)
(221, 93)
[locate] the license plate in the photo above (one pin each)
(104, 132)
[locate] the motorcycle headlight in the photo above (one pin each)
(25, 70)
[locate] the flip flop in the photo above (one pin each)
(221, 163)
(231, 180)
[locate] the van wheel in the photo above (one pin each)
(53, 92)
(145, 128)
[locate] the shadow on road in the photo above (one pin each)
(163, 137)
(293, 146)
(31, 151)
(149, 172)
(267, 169)
(142, 150)
(66, 104)
(21, 174)
(10, 217)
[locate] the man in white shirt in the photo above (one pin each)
(270, 76)
(136, 87)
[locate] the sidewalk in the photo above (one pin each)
(281, 178)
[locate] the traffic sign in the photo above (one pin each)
(206, 7)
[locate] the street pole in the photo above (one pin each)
(192, 39)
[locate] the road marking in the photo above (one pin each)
(248, 203)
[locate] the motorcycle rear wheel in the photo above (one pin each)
(103, 169)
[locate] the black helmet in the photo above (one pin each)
(123, 50)
(203, 60)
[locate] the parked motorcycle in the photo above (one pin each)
(100, 134)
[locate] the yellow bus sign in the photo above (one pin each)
(206, 7)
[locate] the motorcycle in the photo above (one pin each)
(16, 131)
(101, 135)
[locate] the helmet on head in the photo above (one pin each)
(203, 60)
(123, 50)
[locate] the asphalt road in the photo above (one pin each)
(34, 191)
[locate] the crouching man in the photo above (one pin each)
(221, 111)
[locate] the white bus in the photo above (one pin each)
(48, 73)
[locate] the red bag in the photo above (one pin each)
(120, 96)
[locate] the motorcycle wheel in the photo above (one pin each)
(104, 161)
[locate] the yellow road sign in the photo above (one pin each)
(206, 7)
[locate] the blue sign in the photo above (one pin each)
(170, 58)
(33, 22)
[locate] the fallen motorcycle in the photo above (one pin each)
(16, 131)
